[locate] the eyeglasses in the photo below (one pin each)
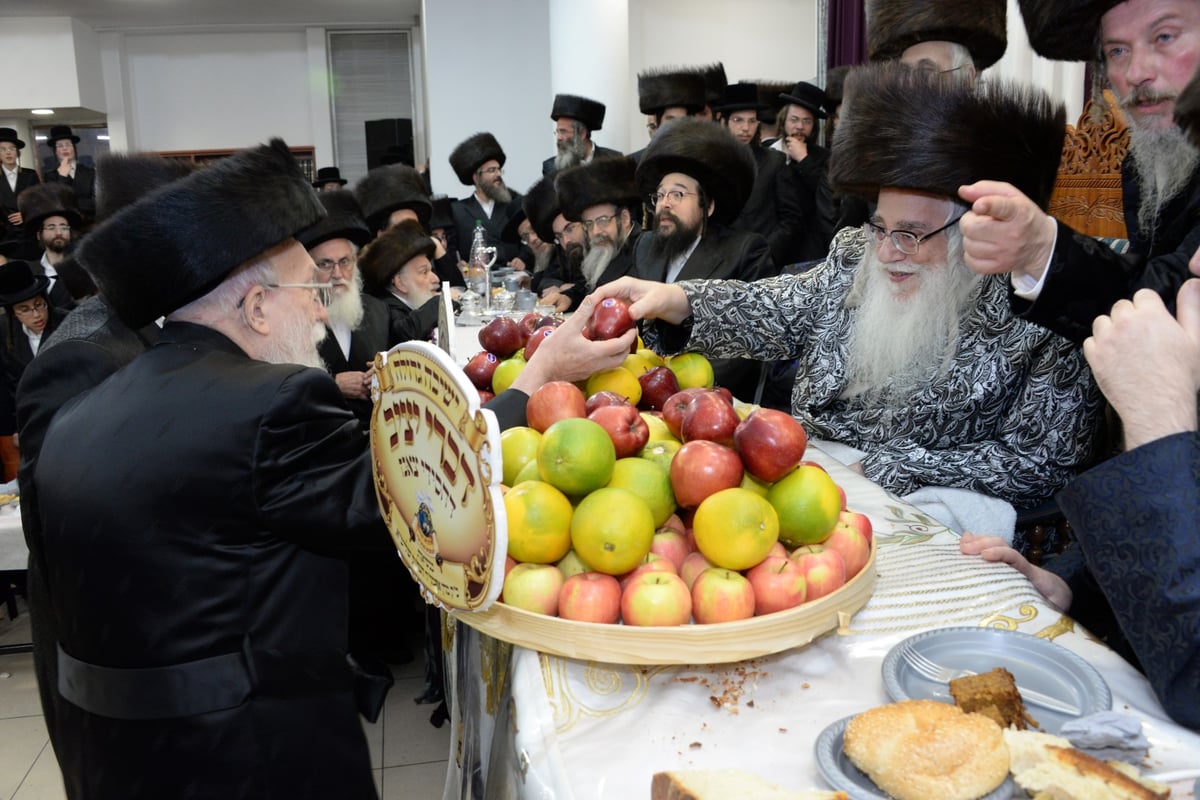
(343, 264)
(674, 195)
(36, 307)
(322, 292)
(440, 235)
(52, 228)
(906, 242)
(571, 228)
(490, 171)
(927, 68)
(598, 222)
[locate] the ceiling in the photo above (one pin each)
(132, 15)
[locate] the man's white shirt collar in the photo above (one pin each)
(676, 266)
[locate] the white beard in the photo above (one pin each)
(898, 344)
(596, 261)
(294, 342)
(347, 307)
(1165, 161)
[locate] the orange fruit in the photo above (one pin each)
(617, 379)
(539, 522)
(661, 452)
(529, 472)
(735, 528)
(576, 456)
(658, 428)
(518, 446)
(654, 358)
(649, 481)
(808, 503)
(691, 370)
(612, 530)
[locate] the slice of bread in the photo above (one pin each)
(922, 749)
(726, 784)
(1048, 767)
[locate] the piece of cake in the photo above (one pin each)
(1046, 769)
(993, 694)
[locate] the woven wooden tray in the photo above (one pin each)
(682, 644)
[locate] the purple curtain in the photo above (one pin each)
(847, 42)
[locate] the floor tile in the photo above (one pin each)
(21, 741)
(18, 691)
(408, 738)
(44, 781)
(374, 734)
(424, 781)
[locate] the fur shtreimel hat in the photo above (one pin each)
(391, 188)
(1065, 30)
(715, 83)
(768, 96)
(540, 205)
(708, 153)
(394, 248)
(473, 152)
(48, 200)
(660, 89)
(343, 220)
(835, 80)
(178, 243)
(907, 129)
(1187, 110)
(588, 112)
(124, 178)
(893, 26)
(604, 180)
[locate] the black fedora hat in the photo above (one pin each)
(60, 132)
(328, 175)
(740, 97)
(10, 135)
(18, 283)
(343, 220)
(809, 96)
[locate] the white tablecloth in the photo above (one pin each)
(590, 731)
(13, 553)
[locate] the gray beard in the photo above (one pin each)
(295, 343)
(898, 345)
(596, 261)
(570, 153)
(1165, 162)
(497, 192)
(347, 307)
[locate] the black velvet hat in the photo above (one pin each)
(61, 132)
(893, 26)
(18, 283)
(442, 216)
(1065, 30)
(708, 153)
(10, 135)
(604, 180)
(328, 175)
(740, 97)
(809, 96)
(181, 241)
(48, 200)
(473, 152)
(660, 89)
(391, 188)
(588, 112)
(343, 220)
(391, 250)
(912, 130)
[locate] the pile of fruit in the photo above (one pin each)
(648, 497)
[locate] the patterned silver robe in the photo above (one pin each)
(1014, 417)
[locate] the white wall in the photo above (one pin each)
(217, 90)
(57, 62)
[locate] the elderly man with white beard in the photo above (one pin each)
(911, 362)
(1148, 50)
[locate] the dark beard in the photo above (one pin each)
(573, 261)
(497, 192)
(670, 246)
(56, 245)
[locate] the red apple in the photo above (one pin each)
(624, 425)
(610, 319)
(693, 564)
(486, 395)
(709, 417)
(824, 571)
(778, 584)
(605, 398)
(842, 494)
(778, 549)
(529, 323)
(701, 468)
(590, 597)
(857, 520)
(849, 542)
(653, 562)
(480, 369)
(676, 404)
(656, 599)
(770, 442)
(534, 587)
(502, 336)
(724, 394)
(549, 322)
(658, 385)
(674, 523)
(721, 595)
(535, 340)
(553, 401)
(671, 545)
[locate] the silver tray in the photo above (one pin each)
(1037, 664)
(840, 773)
